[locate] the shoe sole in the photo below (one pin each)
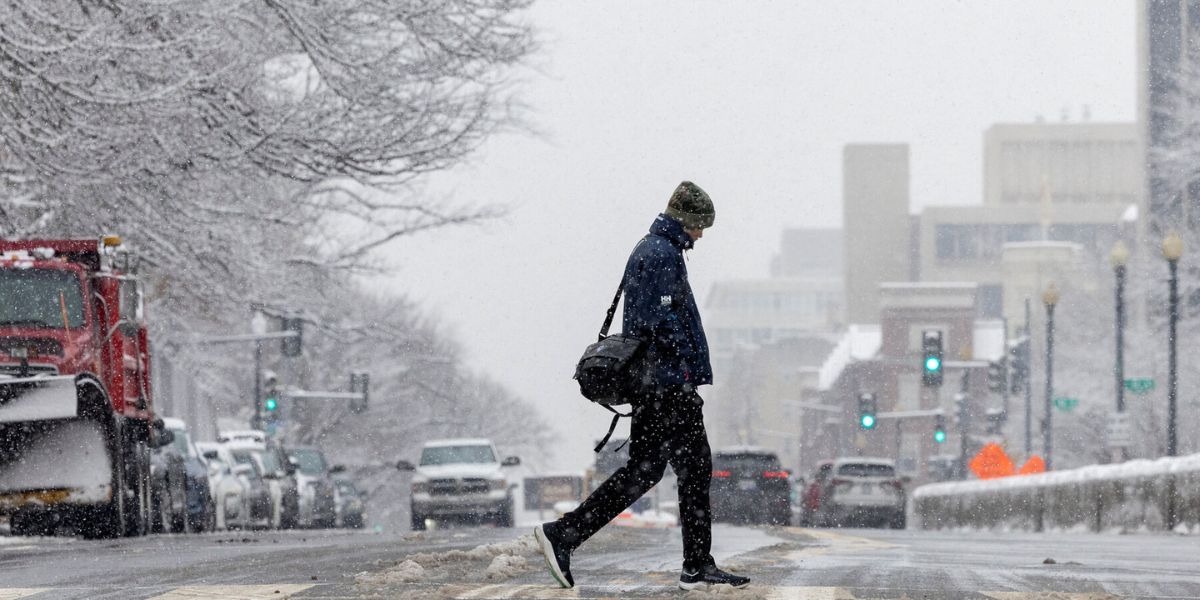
(687, 587)
(548, 554)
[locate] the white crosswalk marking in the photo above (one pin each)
(233, 592)
(1050, 595)
(16, 593)
(518, 591)
(805, 593)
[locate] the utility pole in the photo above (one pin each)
(258, 326)
(963, 399)
(1028, 384)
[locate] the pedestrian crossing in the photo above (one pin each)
(463, 591)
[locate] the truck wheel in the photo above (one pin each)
(418, 522)
(137, 513)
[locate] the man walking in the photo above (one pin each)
(668, 424)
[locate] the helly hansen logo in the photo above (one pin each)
(664, 300)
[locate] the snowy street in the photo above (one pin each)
(786, 563)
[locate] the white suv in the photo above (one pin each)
(855, 491)
(460, 479)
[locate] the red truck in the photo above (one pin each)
(76, 411)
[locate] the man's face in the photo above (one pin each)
(695, 234)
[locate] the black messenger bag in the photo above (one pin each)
(615, 369)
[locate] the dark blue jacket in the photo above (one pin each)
(659, 305)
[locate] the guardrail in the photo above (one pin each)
(1130, 496)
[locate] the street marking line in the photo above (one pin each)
(15, 593)
(804, 593)
(546, 592)
(1051, 595)
(234, 592)
(835, 543)
(509, 590)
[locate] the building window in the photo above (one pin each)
(991, 301)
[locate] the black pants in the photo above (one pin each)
(667, 428)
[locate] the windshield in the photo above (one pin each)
(449, 455)
(182, 442)
(37, 297)
(244, 458)
(310, 462)
(866, 470)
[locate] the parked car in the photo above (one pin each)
(855, 492)
(199, 511)
(749, 486)
(351, 504)
(229, 490)
(279, 474)
(257, 490)
(460, 479)
(168, 491)
(317, 504)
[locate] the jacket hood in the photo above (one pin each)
(672, 230)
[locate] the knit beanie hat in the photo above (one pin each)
(691, 206)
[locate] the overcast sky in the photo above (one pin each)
(754, 102)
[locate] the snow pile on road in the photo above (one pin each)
(406, 572)
(487, 562)
(525, 545)
(1127, 497)
(505, 566)
(723, 592)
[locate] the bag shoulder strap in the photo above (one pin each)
(612, 310)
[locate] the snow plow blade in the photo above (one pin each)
(38, 399)
(54, 463)
(48, 455)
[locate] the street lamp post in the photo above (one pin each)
(1119, 258)
(1172, 250)
(258, 326)
(1050, 298)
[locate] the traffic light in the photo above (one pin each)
(1018, 362)
(931, 357)
(997, 375)
(271, 396)
(360, 381)
(939, 429)
(866, 411)
(292, 346)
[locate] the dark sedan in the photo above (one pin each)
(749, 486)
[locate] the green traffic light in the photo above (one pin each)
(939, 436)
(933, 363)
(272, 404)
(867, 421)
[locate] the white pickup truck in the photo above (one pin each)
(460, 479)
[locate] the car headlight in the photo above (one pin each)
(497, 484)
(420, 487)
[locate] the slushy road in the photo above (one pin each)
(785, 563)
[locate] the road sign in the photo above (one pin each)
(1119, 430)
(991, 462)
(1140, 385)
(1064, 403)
